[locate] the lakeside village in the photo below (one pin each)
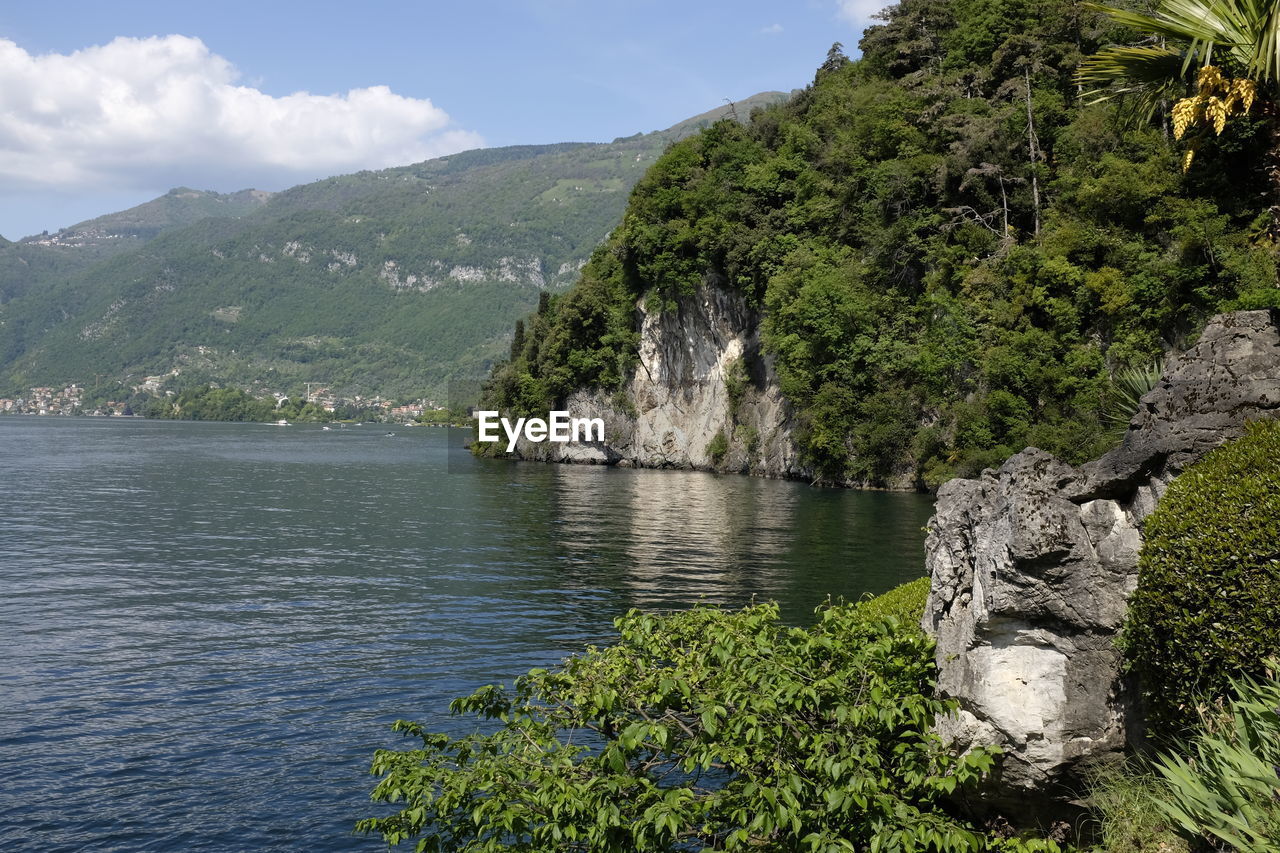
(150, 395)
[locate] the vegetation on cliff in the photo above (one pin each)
(953, 253)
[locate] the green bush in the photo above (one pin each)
(702, 729)
(904, 603)
(717, 447)
(1209, 581)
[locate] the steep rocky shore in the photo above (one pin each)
(1032, 565)
(702, 396)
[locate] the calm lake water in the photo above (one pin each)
(206, 629)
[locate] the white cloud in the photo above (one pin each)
(166, 110)
(772, 29)
(860, 12)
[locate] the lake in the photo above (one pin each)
(206, 629)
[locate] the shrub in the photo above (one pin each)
(1128, 386)
(736, 379)
(703, 729)
(717, 447)
(1209, 581)
(904, 603)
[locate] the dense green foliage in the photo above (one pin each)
(703, 729)
(36, 263)
(1226, 789)
(206, 403)
(1209, 581)
(391, 282)
(952, 254)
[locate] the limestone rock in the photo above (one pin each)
(678, 400)
(1032, 566)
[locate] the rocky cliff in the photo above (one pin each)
(1032, 565)
(702, 396)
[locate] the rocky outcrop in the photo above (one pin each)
(1032, 566)
(702, 396)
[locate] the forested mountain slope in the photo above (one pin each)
(44, 258)
(385, 282)
(952, 254)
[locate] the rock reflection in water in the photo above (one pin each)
(664, 539)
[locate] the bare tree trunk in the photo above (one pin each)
(1033, 152)
(1004, 210)
(1273, 181)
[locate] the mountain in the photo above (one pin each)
(176, 208)
(45, 258)
(43, 263)
(388, 282)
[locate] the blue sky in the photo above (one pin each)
(105, 105)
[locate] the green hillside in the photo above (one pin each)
(387, 282)
(178, 207)
(46, 258)
(952, 252)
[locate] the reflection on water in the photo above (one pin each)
(208, 627)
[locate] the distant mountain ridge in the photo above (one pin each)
(388, 282)
(176, 208)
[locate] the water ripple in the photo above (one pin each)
(209, 627)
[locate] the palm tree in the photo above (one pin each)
(1234, 47)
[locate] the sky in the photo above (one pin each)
(106, 105)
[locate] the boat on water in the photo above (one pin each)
(282, 422)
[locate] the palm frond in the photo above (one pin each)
(1144, 77)
(1128, 386)
(1179, 24)
(1266, 55)
(1240, 36)
(1140, 66)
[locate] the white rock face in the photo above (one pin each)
(678, 401)
(1025, 607)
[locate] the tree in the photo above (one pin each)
(1234, 45)
(517, 340)
(700, 730)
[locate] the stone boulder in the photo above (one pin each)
(1032, 566)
